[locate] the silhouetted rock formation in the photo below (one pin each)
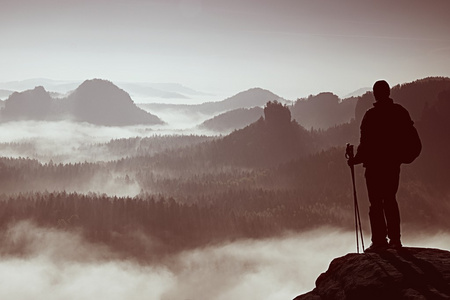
(410, 273)
(94, 101)
(101, 102)
(32, 104)
(269, 141)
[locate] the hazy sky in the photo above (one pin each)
(293, 48)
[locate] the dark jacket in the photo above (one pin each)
(381, 131)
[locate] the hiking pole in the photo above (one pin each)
(349, 155)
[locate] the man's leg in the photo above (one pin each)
(376, 212)
(391, 210)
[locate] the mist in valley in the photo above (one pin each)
(196, 149)
(169, 211)
(71, 142)
(56, 264)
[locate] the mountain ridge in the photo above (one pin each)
(95, 101)
(323, 110)
(142, 89)
(276, 137)
(245, 99)
(233, 119)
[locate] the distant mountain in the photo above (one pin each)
(434, 127)
(271, 140)
(234, 119)
(140, 89)
(5, 93)
(101, 102)
(247, 99)
(323, 111)
(176, 87)
(358, 92)
(428, 102)
(414, 96)
(152, 91)
(327, 110)
(160, 90)
(94, 101)
(421, 98)
(60, 86)
(33, 104)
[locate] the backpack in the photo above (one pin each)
(410, 144)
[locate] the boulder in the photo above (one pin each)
(408, 273)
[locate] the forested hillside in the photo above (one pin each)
(414, 96)
(187, 191)
(234, 119)
(323, 111)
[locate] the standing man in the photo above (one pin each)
(380, 152)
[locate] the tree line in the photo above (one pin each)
(271, 177)
(148, 226)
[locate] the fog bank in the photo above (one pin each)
(69, 142)
(61, 265)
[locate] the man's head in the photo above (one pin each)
(381, 90)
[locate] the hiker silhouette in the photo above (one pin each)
(386, 131)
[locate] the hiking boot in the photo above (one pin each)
(377, 247)
(395, 245)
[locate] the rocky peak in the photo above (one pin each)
(409, 273)
(30, 104)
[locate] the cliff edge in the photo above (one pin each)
(409, 273)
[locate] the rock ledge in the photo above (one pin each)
(409, 273)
